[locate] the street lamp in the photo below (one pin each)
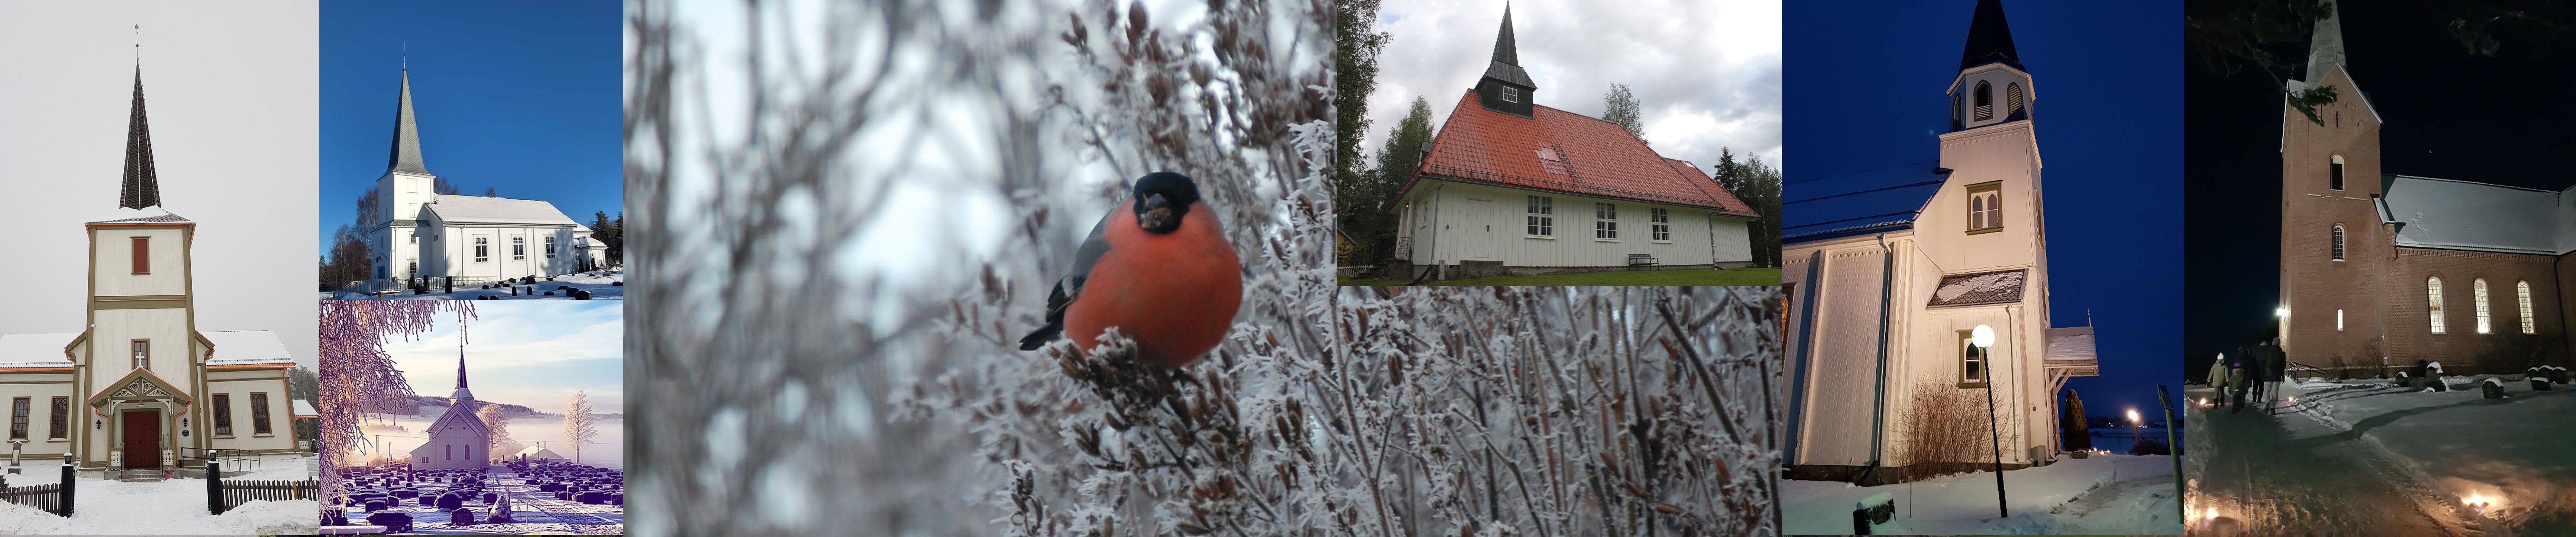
(2133, 429)
(2282, 312)
(1978, 340)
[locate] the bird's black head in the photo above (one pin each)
(1162, 198)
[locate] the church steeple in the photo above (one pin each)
(1505, 87)
(1989, 38)
(405, 156)
(2326, 46)
(142, 186)
(461, 392)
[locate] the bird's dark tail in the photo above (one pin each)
(1042, 336)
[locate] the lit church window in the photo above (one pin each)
(2522, 295)
(2433, 294)
(2478, 289)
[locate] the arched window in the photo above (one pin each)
(2334, 175)
(2522, 296)
(2012, 98)
(2433, 295)
(2478, 290)
(2338, 242)
(1985, 101)
(1955, 115)
(2338, 320)
(451, 451)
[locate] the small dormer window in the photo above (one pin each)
(1985, 101)
(2012, 98)
(1511, 94)
(2334, 173)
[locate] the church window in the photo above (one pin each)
(482, 249)
(518, 247)
(223, 414)
(550, 247)
(2338, 320)
(1954, 107)
(142, 255)
(411, 270)
(2334, 173)
(2012, 98)
(1605, 220)
(1511, 94)
(1985, 101)
(18, 418)
(2522, 297)
(451, 451)
(1663, 223)
(62, 417)
(1972, 363)
(2433, 294)
(1542, 216)
(142, 354)
(1985, 207)
(2478, 290)
(415, 237)
(2338, 242)
(259, 413)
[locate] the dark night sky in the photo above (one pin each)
(1865, 87)
(2447, 113)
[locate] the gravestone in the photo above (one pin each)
(375, 505)
(450, 501)
(460, 517)
(2491, 389)
(393, 522)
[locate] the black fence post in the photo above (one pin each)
(214, 488)
(69, 477)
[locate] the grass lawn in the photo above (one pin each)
(1751, 276)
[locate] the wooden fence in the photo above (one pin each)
(226, 494)
(48, 497)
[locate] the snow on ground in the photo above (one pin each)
(23, 520)
(2103, 494)
(2118, 439)
(602, 285)
(263, 517)
(535, 513)
(2518, 454)
(176, 506)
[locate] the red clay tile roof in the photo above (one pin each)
(1604, 160)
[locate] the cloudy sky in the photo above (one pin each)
(1706, 72)
(528, 353)
(229, 89)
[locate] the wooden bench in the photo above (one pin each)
(1642, 259)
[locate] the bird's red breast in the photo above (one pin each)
(1174, 293)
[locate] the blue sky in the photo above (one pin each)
(1865, 85)
(523, 98)
(529, 353)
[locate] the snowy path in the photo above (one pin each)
(2285, 474)
(2514, 451)
(2071, 496)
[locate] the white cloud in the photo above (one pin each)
(533, 353)
(1707, 73)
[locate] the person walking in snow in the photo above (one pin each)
(2236, 377)
(2218, 375)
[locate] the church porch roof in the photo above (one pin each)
(140, 381)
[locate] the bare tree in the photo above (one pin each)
(578, 423)
(499, 444)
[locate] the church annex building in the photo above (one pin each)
(143, 389)
(1591, 195)
(1888, 272)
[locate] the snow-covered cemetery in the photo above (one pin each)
(2422, 452)
(600, 284)
(527, 438)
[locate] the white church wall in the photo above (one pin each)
(245, 433)
(40, 389)
(171, 345)
(1731, 239)
(1486, 223)
(114, 269)
(2004, 155)
(1842, 367)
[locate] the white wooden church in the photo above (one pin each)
(143, 390)
(473, 238)
(1889, 271)
(458, 440)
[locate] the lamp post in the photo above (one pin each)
(2133, 429)
(1979, 339)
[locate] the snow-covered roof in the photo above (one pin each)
(1886, 199)
(2075, 343)
(535, 452)
(458, 209)
(35, 350)
(147, 215)
(304, 409)
(1997, 287)
(246, 347)
(2461, 215)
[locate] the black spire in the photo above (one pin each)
(1505, 87)
(142, 186)
(405, 156)
(1989, 39)
(460, 367)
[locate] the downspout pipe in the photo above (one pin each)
(1878, 397)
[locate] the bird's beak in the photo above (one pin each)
(1157, 213)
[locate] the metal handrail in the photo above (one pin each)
(232, 458)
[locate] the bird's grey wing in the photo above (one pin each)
(1084, 257)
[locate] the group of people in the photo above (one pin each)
(2256, 369)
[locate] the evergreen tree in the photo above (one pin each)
(579, 426)
(1367, 218)
(1624, 110)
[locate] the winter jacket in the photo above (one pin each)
(2236, 377)
(2218, 375)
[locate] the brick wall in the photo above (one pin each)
(2313, 285)
(2460, 348)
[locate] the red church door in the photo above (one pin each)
(143, 439)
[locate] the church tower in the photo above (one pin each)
(1992, 86)
(1505, 87)
(138, 360)
(2334, 247)
(405, 186)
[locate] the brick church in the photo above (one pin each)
(2380, 269)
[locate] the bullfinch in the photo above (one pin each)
(1158, 268)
